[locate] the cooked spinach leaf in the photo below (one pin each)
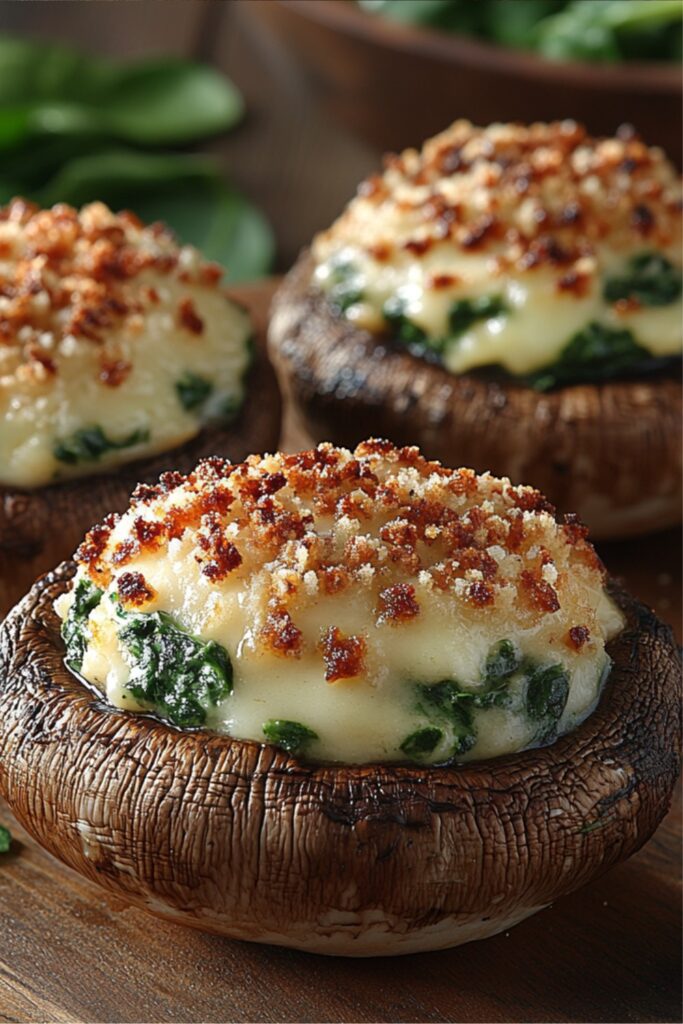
(344, 286)
(5, 839)
(510, 682)
(502, 661)
(422, 743)
(291, 736)
(447, 701)
(465, 312)
(651, 279)
(90, 443)
(193, 390)
(596, 353)
(86, 598)
(451, 709)
(404, 330)
(181, 676)
(546, 698)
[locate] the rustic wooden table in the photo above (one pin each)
(72, 953)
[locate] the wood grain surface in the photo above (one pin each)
(611, 952)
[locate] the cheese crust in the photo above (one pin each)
(110, 328)
(340, 582)
(533, 220)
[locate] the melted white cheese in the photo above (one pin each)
(368, 716)
(43, 404)
(539, 321)
(356, 720)
(36, 417)
(560, 207)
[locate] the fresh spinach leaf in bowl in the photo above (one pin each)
(584, 30)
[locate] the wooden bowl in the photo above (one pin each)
(395, 85)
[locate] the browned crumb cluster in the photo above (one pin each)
(528, 194)
(69, 276)
(323, 522)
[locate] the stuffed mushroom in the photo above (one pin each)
(508, 298)
(354, 703)
(117, 347)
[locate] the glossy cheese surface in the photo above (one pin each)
(538, 218)
(342, 586)
(107, 327)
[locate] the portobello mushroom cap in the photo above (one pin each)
(609, 451)
(243, 840)
(38, 528)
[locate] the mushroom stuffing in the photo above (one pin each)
(349, 607)
(507, 298)
(121, 355)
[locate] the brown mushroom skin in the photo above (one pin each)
(243, 840)
(610, 452)
(40, 528)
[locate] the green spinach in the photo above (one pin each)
(546, 698)
(181, 676)
(502, 661)
(161, 101)
(5, 839)
(465, 312)
(86, 598)
(590, 30)
(228, 409)
(75, 129)
(447, 704)
(291, 736)
(193, 390)
(651, 279)
(422, 743)
(446, 701)
(89, 444)
(612, 30)
(344, 287)
(404, 330)
(596, 353)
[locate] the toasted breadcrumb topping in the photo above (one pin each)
(69, 277)
(542, 194)
(300, 530)
(499, 246)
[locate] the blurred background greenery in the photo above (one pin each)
(182, 110)
(247, 124)
(590, 30)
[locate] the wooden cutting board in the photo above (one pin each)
(611, 952)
